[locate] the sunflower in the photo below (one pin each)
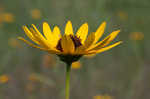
(70, 47)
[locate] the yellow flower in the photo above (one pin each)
(136, 36)
(76, 65)
(70, 47)
(4, 79)
(102, 97)
(32, 77)
(36, 14)
(8, 17)
(123, 15)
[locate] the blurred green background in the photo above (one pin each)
(121, 73)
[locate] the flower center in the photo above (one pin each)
(75, 39)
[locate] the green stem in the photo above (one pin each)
(68, 80)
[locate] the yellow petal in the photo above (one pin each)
(29, 34)
(29, 43)
(79, 50)
(106, 41)
(56, 35)
(90, 56)
(41, 38)
(112, 37)
(41, 43)
(47, 32)
(84, 52)
(90, 40)
(54, 52)
(89, 53)
(56, 31)
(38, 33)
(34, 46)
(99, 32)
(82, 32)
(67, 44)
(107, 48)
(68, 28)
(76, 65)
(99, 45)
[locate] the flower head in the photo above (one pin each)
(102, 97)
(36, 14)
(7, 17)
(4, 78)
(70, 47)
(76, 65)
(123, 15)
(136, 36)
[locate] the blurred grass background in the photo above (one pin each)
(121, 73)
